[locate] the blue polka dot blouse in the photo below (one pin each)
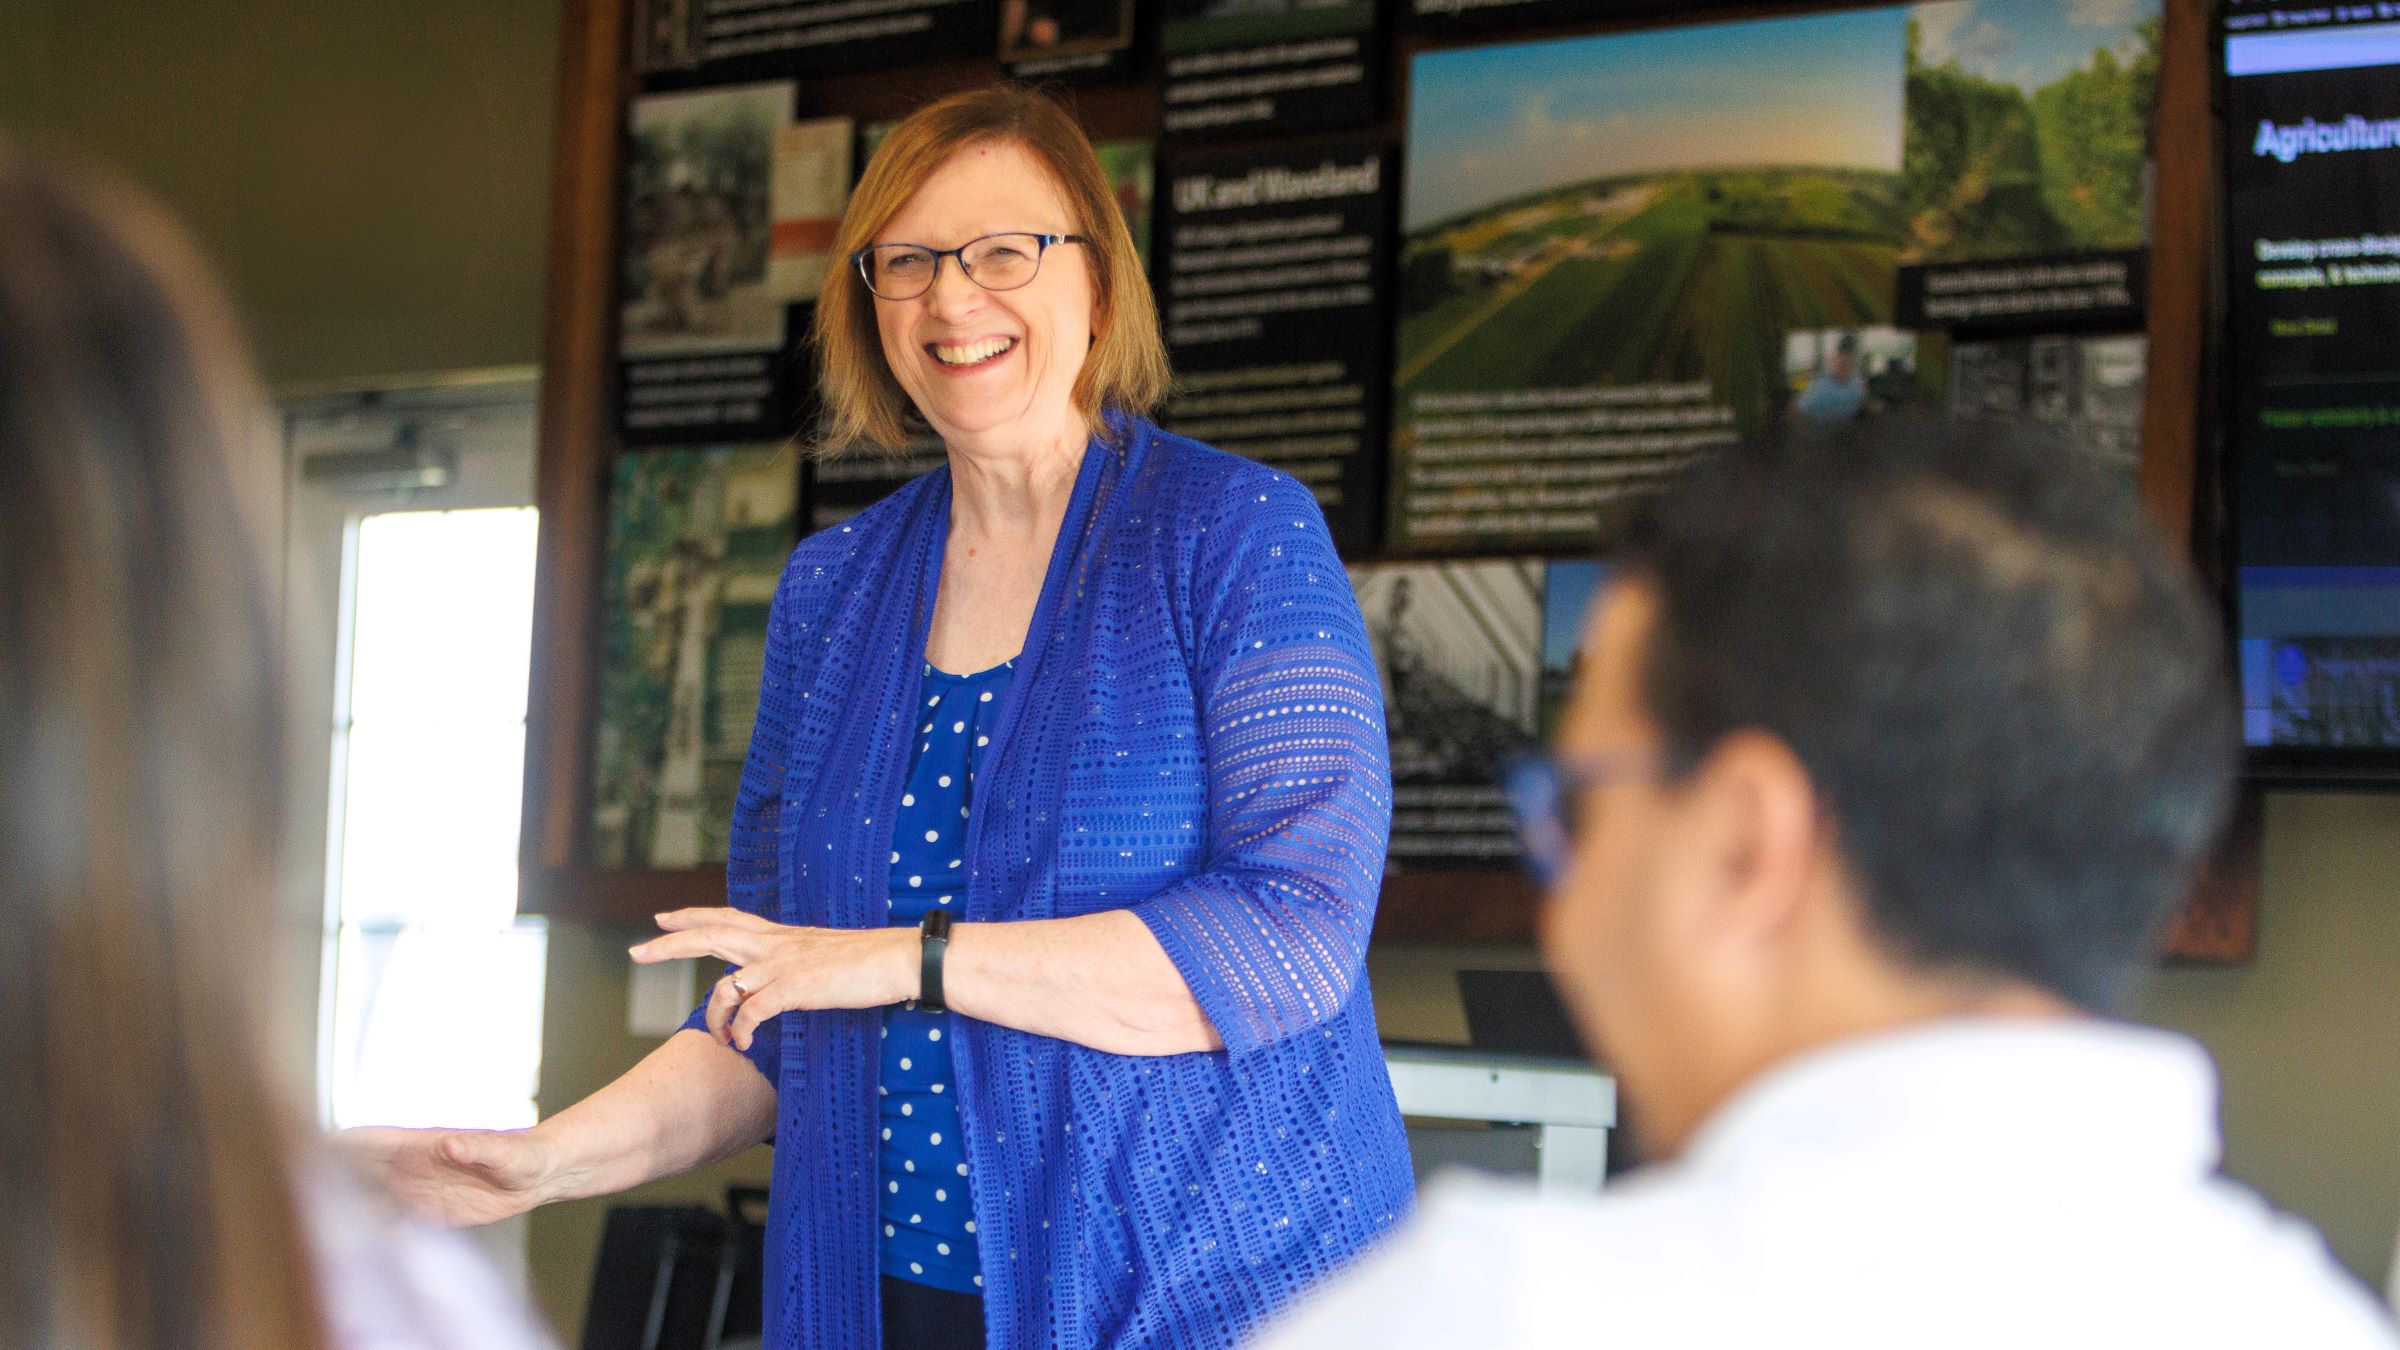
(1194, 737)
(928, 1210)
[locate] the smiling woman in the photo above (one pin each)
(1055, 855)
(993, 161)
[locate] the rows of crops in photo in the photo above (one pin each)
(1671, 277)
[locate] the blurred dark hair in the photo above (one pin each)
(145, 1196)
(2011, 698)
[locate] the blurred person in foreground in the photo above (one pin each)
(1891, 753)
(156, 1188)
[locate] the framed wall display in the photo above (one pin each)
(1243, 68)
(1132, 169)
(1070, 41)
(696, 544)
(1742, 245)
(2311, 148)
(717, 39)
(1274, 322)
(1458, 648)
(1614, 247)
(701, 325)
(811, 185)
(2088, 388)
(2025, 164)
(1569, 590)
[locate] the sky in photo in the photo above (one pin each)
(1568, 589)
(1489, 123)
(2027, 43)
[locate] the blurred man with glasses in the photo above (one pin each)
(1891, 752)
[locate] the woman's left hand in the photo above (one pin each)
(784, 968)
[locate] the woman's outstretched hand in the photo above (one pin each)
(783, 968)
(458, 1178)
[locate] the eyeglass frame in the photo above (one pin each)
(1538, 785)
(858, 260)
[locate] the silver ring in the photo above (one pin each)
(736, 981)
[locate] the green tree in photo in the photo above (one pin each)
(2094, 127)
(647, 509)
(1971, 166)
(1990, 171)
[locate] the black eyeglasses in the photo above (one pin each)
(996, 262)
(1539, 787)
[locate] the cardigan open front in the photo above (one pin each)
(1195, 733)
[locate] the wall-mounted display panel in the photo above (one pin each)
(1274, 319)
(1609, 245)
(2312, 380)
(696, 544)
(1459, 647)
(1237, 69)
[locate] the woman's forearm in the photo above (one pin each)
(689, 1102)
(1099, 980)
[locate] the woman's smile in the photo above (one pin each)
(967, 357)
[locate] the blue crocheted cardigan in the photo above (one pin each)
(1195, 733)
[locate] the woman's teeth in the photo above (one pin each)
(973, 353)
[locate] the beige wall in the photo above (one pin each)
(2307, 1038)
(372, 178)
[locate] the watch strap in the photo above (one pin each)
(933, 944)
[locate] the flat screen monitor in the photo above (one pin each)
(2312, 384)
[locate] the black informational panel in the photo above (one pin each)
(1276, 319)
(1440, 20)
(722, 39)
(1234, 69)
(2312, 388)
(846, 484)
(2100, 289)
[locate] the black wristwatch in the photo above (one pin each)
(933, 936)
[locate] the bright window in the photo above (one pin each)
(436, 996)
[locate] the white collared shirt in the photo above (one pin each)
(1974, 1183)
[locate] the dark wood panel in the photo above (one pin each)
(575, 442)
(2178, 422)
(626, 897)
(2183, 144)
(1457, 906)
(2220, 925)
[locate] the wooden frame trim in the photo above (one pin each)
(574, 446)
(2183, 140)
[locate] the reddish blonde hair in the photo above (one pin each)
(1125, 371)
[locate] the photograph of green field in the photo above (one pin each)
(1607, 242)
(1656, 278)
